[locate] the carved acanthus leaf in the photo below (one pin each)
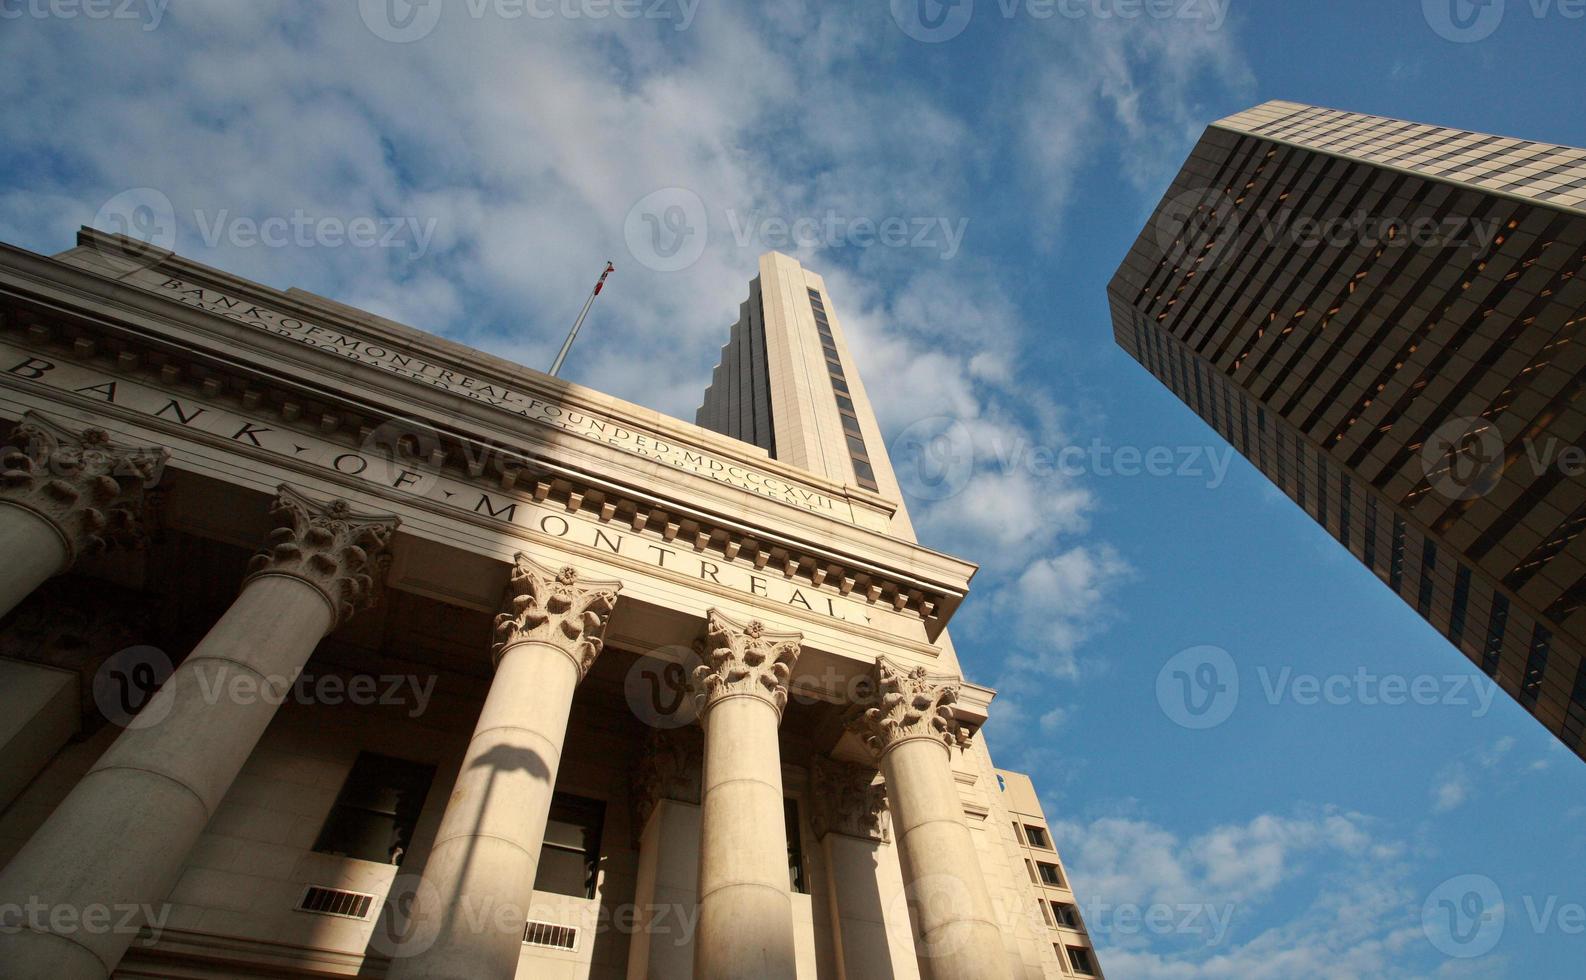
(910, 702)
(848, 799)
(744, 660)
(556, 606)
(669, 769)
(89, 488)
(341, 553)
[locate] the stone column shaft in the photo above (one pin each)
(864, 888)
(34, 553)
(745, 907)
(912, 730)
(119, 839)
(478, 881)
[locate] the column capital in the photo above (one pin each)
(909, 703)
(670, 768)
(89, 489)
(743, 661)
(848, 799)
(341, 553)
(556, 607)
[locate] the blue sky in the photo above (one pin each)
(511, 148)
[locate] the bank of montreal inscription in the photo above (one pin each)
(513, 509)
(579, 422)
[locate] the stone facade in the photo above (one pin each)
(430, 665)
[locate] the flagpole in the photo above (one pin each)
(573, 334)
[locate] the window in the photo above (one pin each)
(1396, 559)
(1456, 620)
(1018, 835)
(1050, 875)
(1028, 864)
(866, 475)
(1496, 622)
(1037, 837)
(795, 848)
(1345, 491)
(1423, 600)
(1066, 915)
(1045, 915)
(570, 858)
(1080, 959)
(1536, 665)
(376, 809)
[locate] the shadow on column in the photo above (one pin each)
(395, 929)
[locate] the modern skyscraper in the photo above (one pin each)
(1386, 318)
(527, 681)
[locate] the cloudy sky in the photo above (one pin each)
(966, 177)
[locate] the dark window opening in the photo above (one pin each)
(1050, 875)
(376, 810)
(1080, 959)
(795, 848)
(1456, 620)
(1037, 837)
(1496, 622)
(570, 857)
(1066, 915)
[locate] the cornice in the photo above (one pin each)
(821, 551)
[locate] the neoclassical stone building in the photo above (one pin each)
(333, 648)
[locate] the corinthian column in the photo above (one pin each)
(863, 885)
(65, 493)
(119, 839)
(470, 910)
(912, 731)
(745, 911)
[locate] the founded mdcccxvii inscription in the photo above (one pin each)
(580, 422)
